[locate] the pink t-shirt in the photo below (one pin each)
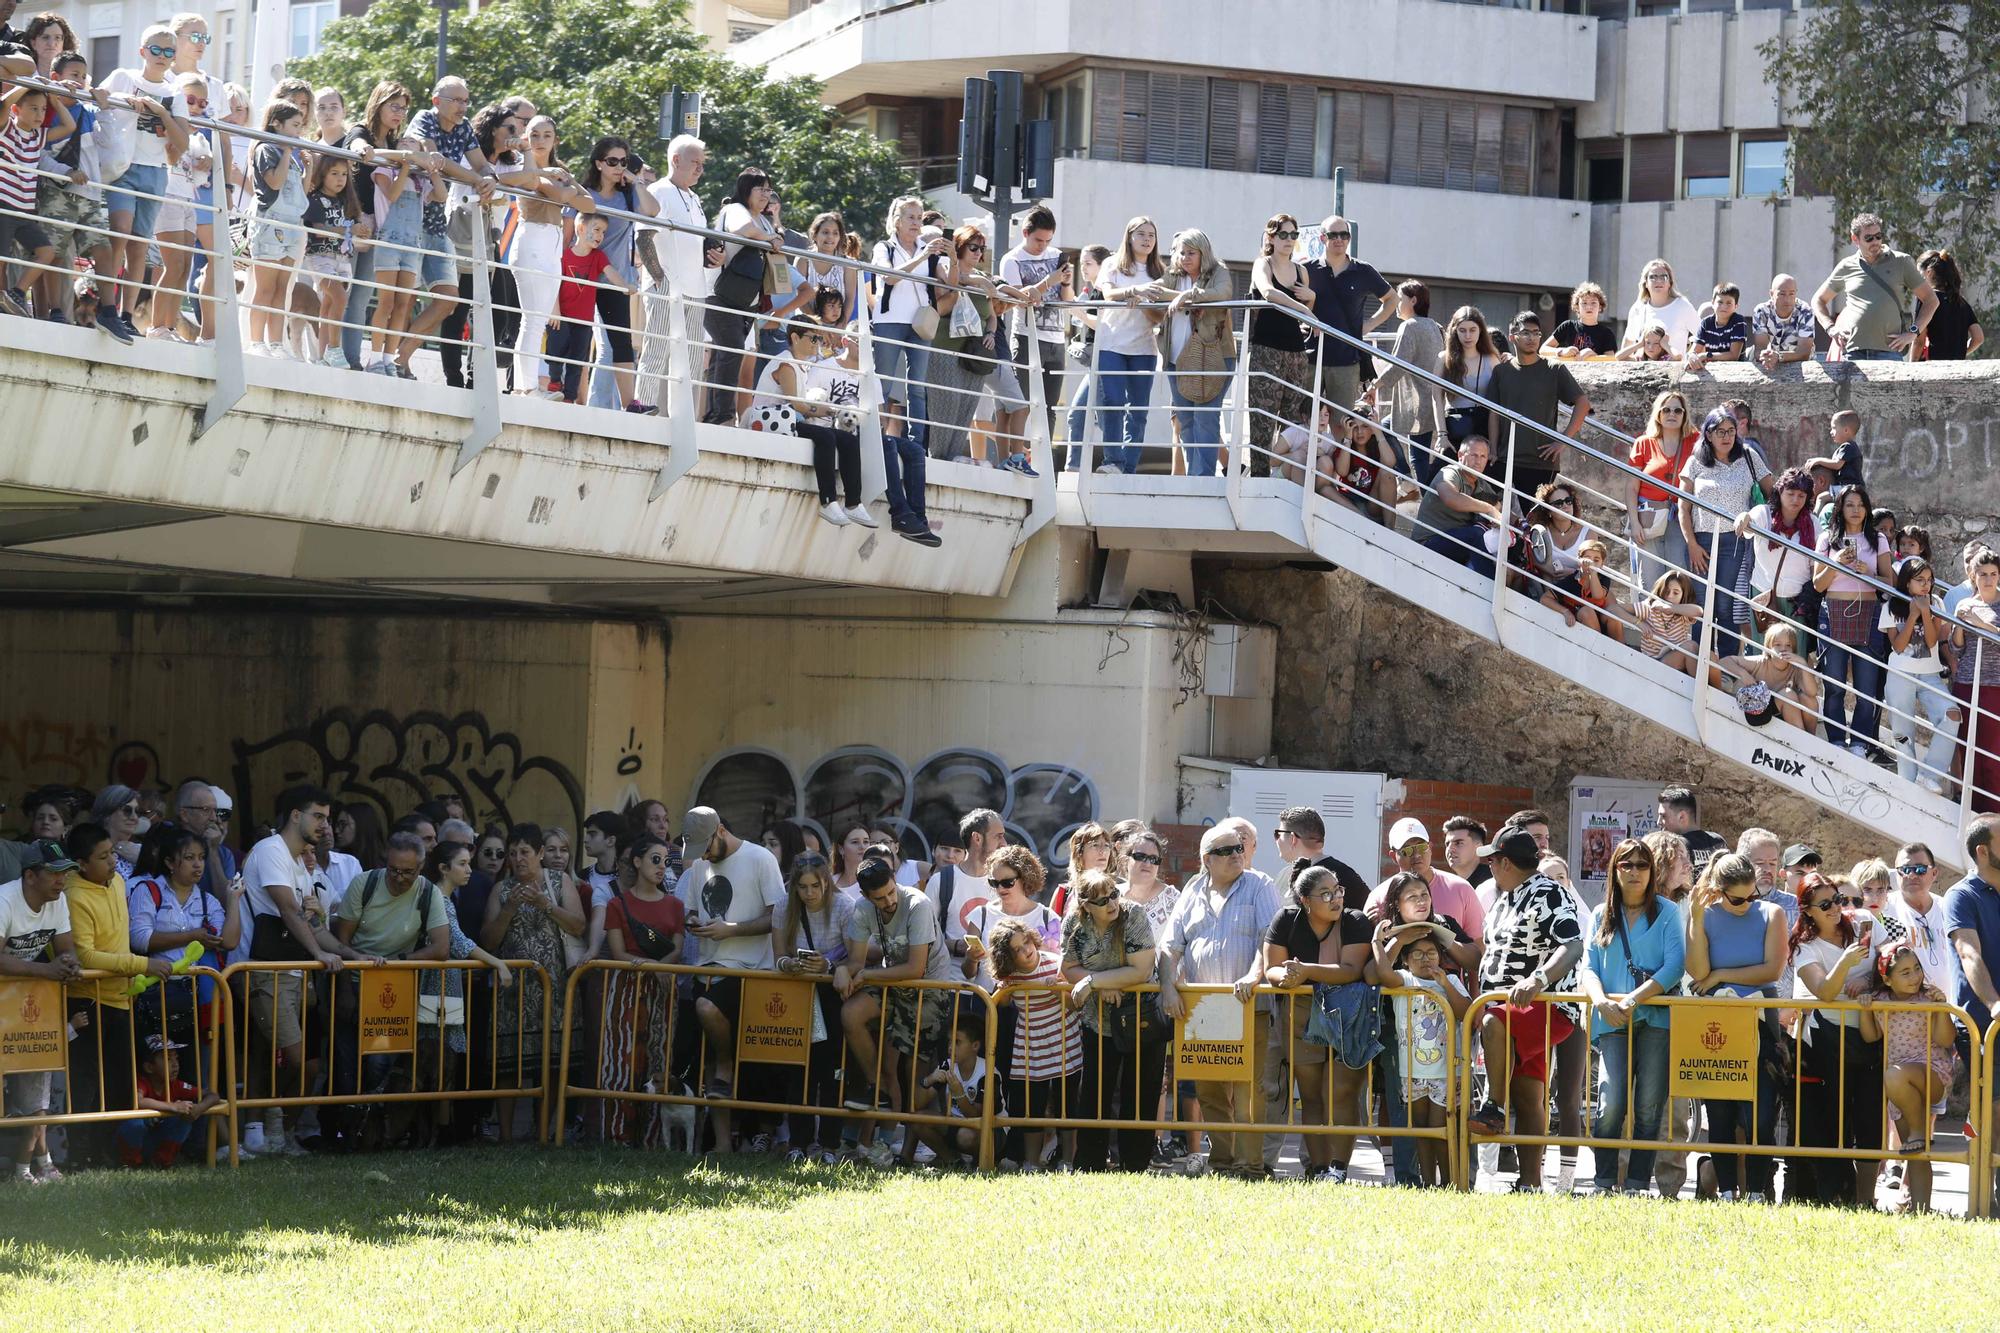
(1450, 896)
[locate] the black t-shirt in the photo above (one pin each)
(1338, 300)
(1291, 930)
(1355, 889)
(364, 176)
(1594, 338)
(1702, 847)
(1950, 329)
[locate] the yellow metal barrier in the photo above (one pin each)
(1729, 1065)
(1245, 1061)
(99, 1046)
(774, 1026)
(1986, 1158)
(385, 1012)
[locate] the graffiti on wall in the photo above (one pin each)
(393, 762)
(1041, 803)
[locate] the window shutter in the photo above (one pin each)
(1273, 114)
(1225, 101)
(1431, 153)
(1347, 131)
(1704, 155)
(1379, 117)
(1299, 130)
(1517, 151)
(1486, 150)
(1107, 113)
(1651, 169)
(1403, 142)
(1132, 140)
(1461, 134)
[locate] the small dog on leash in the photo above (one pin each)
(680, 1122)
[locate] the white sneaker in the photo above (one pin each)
(859, 514)
(253, 1137)
(1931, 784)
(336, 358)
(1109, 468)
(834, 514)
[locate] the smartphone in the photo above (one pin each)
(810, 957)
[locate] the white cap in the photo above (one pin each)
(222, 801)
(1407, 831)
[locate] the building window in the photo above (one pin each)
(1064, 106)
(1603, 171)
(1705, 166)
(104, 57)
(1763, 171)
(225, 49)
(308, 22)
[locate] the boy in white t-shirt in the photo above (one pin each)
(35, 944)
(958, 1082)
(146, 123)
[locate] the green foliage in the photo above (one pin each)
(1882, 85)
(598, 67)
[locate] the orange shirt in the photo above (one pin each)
(1649, 457)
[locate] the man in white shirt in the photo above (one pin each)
(676, 261)
(731, 890)
(35, 944)
(957, 890)
(1916, 913)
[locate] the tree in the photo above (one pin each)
(598, 67)
(1883, 86)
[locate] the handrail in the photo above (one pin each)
(514, 191)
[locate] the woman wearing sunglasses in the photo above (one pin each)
(1107, 950)
(1315, 940)
(1840, 1096)
(1736, 947)
(1279, 365)
(811, 940)
(1637, 950)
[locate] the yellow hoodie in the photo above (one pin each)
(101, 925)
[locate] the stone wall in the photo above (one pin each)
(1368, 682)
(1930, 433)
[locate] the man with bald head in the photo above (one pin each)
(1342, 286)
(1783, 327)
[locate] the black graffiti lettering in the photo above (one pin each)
(1791, 768)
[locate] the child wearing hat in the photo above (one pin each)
(158, 1141)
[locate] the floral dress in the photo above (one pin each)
(533, 935)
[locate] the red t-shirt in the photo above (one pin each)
(575, 300)
(668, 916)
(179, 1090)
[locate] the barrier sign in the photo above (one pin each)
(1713, 1052)
(1212, 1040)
(777, 1022)
(388, 1013)
(32, 1026)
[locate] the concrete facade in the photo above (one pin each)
(538, 720)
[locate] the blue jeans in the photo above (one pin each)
(1125, 388)
(120, 197)
(1201, 426)
(359, 294)
(903, 482)
(912, 362)
(1644, 1048)
(1078, 402)
(1725, 1119)
(1465, 545)
(151, 1142)
(1726, 554)
(1670, 551)
(1869, 667)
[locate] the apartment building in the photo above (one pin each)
(1501, 151)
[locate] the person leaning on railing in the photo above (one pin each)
(1459, 492)
(1736, 946)
(1637, 951)
(1840, 1094)
(1125, 346)
(36, 945)
(1853, 644)
(1416, 407)
(1107, 950)
(1976, 679)
(1280, 356)
(1196, 344)
(1721, 472)
(1919, 1055)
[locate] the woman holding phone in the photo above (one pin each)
(1840, 1095)
(1853, 644)
(810, 939)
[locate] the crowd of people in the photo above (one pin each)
(1089, 963)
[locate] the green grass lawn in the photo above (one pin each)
(491, 1239)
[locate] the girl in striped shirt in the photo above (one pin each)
(1048, 1040)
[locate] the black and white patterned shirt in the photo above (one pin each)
(1524, 928)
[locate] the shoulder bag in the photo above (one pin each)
(740, 284)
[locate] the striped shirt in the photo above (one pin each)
(1048, 1040)
(19, 152)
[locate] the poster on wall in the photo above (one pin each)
(1602, 813)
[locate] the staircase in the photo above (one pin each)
(1268, 515)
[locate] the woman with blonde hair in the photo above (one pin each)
(1280, 367)
(1660, 451)
(1197, 344)
(899, 304)
(1660, 302)
(1126, 357)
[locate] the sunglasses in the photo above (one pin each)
(1562, 499)
(1734, 901)
(1909, 872)
(1103, 901)
(163, 52)
(198, 38)
(1286, 235)
(1144, 858)
(1233, 849)
(1413, 849)
(1871, 238)
(1825, 905)
(1632, 864)
(1339, 235)
(809, 859)
(1007, 883)
(975, 247)
(614, 161)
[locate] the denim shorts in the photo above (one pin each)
(128, 194)
(275, 240)
(399, 261)
(204, 210)
(440, 266)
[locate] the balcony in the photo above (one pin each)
(926, 48)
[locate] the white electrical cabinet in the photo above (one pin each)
(1349, 803)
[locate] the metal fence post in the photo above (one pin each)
(485, 366)
(228, 347)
